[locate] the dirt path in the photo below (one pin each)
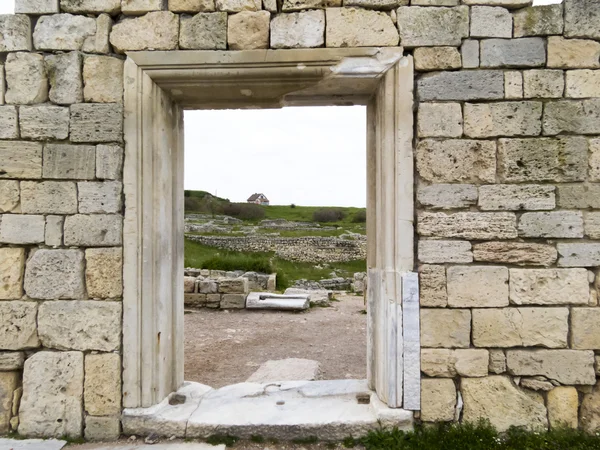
(223, 348)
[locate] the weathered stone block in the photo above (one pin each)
(191, 6)
(512, 406)
(543, 83)
(497, 363)
(96, 230)
(563, 405)
(25, 79)
(9, 125)
(97, 122)
(54, 231)
(594, 162)
(15, 33)
(591, 224)
(503, 119)
(138, 7)
(456, 160)
(63, 32)
(109, 162)
(565, 366)
(434, 2)
(447, 196)
(105, 429)
(112, 7)
(18, 325)
(445, 363)
(440, 120)
(64, 73)
(9, 381)
(204, 31)
(37, 7)
(233, 286)
(437, 58)
(477, 287)
(499, 197)
(375, 4)
(437, 252)
(431, 26)
(582, 19)
(270, 5)
(541, 20)
(22, 229)
(9, 196)
(104, 272)
(12, 262)
(556, 224)
(189, 285)
(511, 4)
(579, 196)
(233, 301)
(207, 287)
(524, 52)
(99, 42)
(157, 30)
(55, 274)
(44, 122)
(50, 379)
(353, 27)
(80, 325)
(513, 84)
(585, 334)
(298, 30)
(438, 400)
(65, 161)
(432, 285)
(527, 160)
(470, 53)
(248, 30)
(11, 361)
(579, 255)
(572, 116)
(590, 410)
(48, 197)
(521, 327)
(199, 300)
(573, 53)
(492, 22)
(549, 286)
(583, 83)
(445, 328)
(467, 225)
(461, 86)
(518, 253)
(233, 6)
(103, 79)
(102, 386)
(100, 197)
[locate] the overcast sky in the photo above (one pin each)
(306, 156)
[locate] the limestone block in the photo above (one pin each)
(456, 160)
(298, 30)
(15, 33)
(204, 31)
(44, 122)
(80, 325)
(9, 127)
(63, 32)
(521, 327)
(104, 272)
(549, 286)
(54, 231)
(64, 73)
(97, 122)
(102, 386)
(22, 229)
(157, 30)
(438, 400)
(438, 252)
(353, 27)
(432, 280)
(484, 120)
(95, 230)
(565, 366)
(440, 119)
(9, 381)
(270, 5)
(233, 286)
(524, 52)
(138, 7)
(468, 225)
(248, 30)
(497, 363)
(461, 86)
(103, 79)
(573, 53)
(513, 84)
(583, 83)
(471, 362)
(112, 7)
(517, 253)
(100, 197)
(207, 287)
(590, 410)
(104, 429)
(563, 403)
(99, 42)
(109, 162)
(528, 160)
(18, 325)
(493, 22)
(233, 6)
(12, 263)
(591, 224)
(438, 362)
(192, 6)
(582, 19)
(11, 361)
(571, 116)
(375, 4)
(447, 196)
(512, 406)
(48, 197)
(500, 197)
(541, 20)
(556, 224)
(510, 4)
(594, 162)
(470, 53)
(585, 334)
(477, 286)
(437, 58)
(55, 274)
(579, 255)
(198, 300)
(543, 83)
(233, 301)
(66, 161)
(26, 81)
(579, 196)
(431, 26)
(445, 328)
(51, 379)
(9, 196)
(435, 2)
(189, 285)
(37, 7)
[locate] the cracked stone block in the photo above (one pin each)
(109, 162)
(572, 116)
(66, 161)
(541, 20)
(63, 32)
(18, 325)
(573, 53)
(12, 263)
(431, 26)
(95, 230)
(438, 252)
(517, 253)
(353, 27)
(248, 30)
(477, 286)
(55, 274)
(447, 196)
(9, 124)
(445, 328)
(102, 386)
(570, 367)
(549, 287)
(48, 197)
(585, 334)
(204, 31)
(37, 7)
(10, 195)
(468, 225)
(26, 81)
(97, 122)
(461, 86)
(432, 285)
(491, 22)
(524, 52)
(192, 6)
(437, 58)
(157, 30)
(112, 7)
(15, 33)
(507, 197)
(298, 30)
(64, 73)
(104, 272)
(44, 122)
(555, 224)
(20, 229)
(582, 19)
(99, 42)
(438, 400)
(484, 120)
(100, 197)
(543, 83)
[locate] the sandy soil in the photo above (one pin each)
(223, 348)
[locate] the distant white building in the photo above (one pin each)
(259, 199)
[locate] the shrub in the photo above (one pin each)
(244, 211)
(360, 216)
(245, 262)
(293, 205)
(328, 215)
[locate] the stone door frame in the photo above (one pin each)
(158, 87)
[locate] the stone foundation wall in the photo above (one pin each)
(508, 175)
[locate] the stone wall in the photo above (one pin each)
(508, 174)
